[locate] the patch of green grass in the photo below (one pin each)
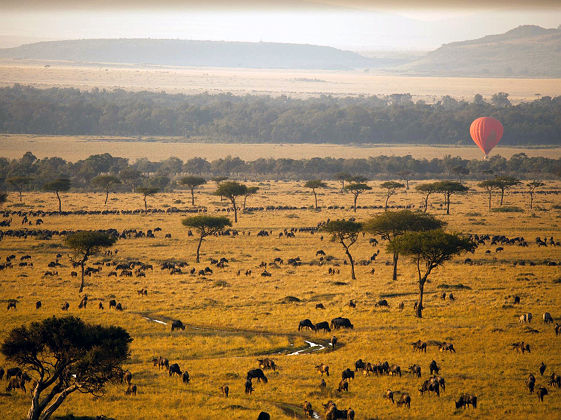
(508, 209)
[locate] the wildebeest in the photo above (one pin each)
(415, 370)
(264, 416)
(542, 368)
(433, 367)
(127, 377)
(119, 307)
(225, 389)
(324, 325)
(112, 303)
(322, 385)
(306, 323)
(308, 410)
(441, 382)
(447, 347)
(185, 377)
(267, 363)
(395, 370)
(521, 347)
(13, 372)
(333, 413)
(347, 374)
(531, 382)
(466, 400)
(38, 304)
(100, 306)
(17, 382)
(177, 325)
(257, 374)
(525, 318)
(555, 380)
(557, 328)
(333, 342)
(12, 304)
(360, 365)
(131, 390)
(1, 373)
(248, 386)
(542, 391)
(430, 386)
(382, 302)
(419, 346)
(343, 386)
(323, 369)
(339, 322)
(320, 306)
(404, 399)
(83, 302)
(547, 318)
(65, 306)
(174, 369)
(389, 395)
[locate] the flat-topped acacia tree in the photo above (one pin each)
(391, 188)
(57, 186)
(346, 232)
(429, 250)
(504, 183)
(192, 182)
(147, 192)
(86, 243)
(314, 184)
(250, 191)
(448, 188)
(206, 225)
(19, 183)
(232, 190)
(489, 185)
(357, 188)
(532, 186)
(427, 190)
(105, 182)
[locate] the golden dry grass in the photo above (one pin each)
(74, 148)
(229, 324)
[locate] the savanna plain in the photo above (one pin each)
(234, 319)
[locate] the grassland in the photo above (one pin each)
(73, 148)
(232, 319)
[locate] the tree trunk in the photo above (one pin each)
(106, 196)
(531, 200)
(351, 261)
(53, 407)
(35, 409)
(59, 203)
(145, 205)
(235, 210)
(419, 311)
(20, 195)
(315, 198)
(426, 202)
(489, 200)
(502, 195)
(447, 203)
(356, 196)
(244, 201)
(387, 199)
(407, 184)
(199, 247)
(395, 258)
(192, 196)
(82, 284)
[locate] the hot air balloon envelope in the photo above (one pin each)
(486, 132)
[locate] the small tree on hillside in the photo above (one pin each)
(65, 355)
(314, 184)
(430, 249)
(346, 232)
(427, 190)
(489, 185)
(448, 188)
(206, 225)
(250, 191)
(392, 224)
(532, 186)
(131, 177)
(57, 186)
(391, 188)
(504, 183)
(356, 189)
(19, 183)
(405, 175)
(147, 192)
(342, 177)
(192, 182)
(232, 190)
(106, 182)
(87, 243)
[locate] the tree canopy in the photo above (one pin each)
(206, 225)
(232, 190)
(106, 182)
(346, 232)
(147, 191)
(57, 186)
(448, 188)
(391, 188)
(357, 188)
(192, 182)
(313, 185)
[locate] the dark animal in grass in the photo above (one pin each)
(264, 416)
(531, 383)
(13, 372)
(177, 325)
(389, 395)
(131, 390)
(352, 303)
(395, 370)
(415, 370)
(542, 392)
(323, 369)
(419, 346)
(306, 323)
(100, 306)
(257, 374)
(320, 306)
(65, 306)
(360, 365)
(267, 364)
(127, 377)
(547, 318)
(248, 386)
(466, 400)
(433, 367)
(401, 306)
(339, 322)
(441, 382)
(185, 377)
(350, 414)
(174, 370)
(119, 307)
(333, 413)
(225, 389)
(322, 385)
(17, 382)
(12, 304)
(555, 380)
(447, 347)
(542, 368)
(343, 386)
(557, 328)
(308, 410)
(38, 304)
(347, 374)
(83, 302)
(383, 303)
(112, 303)
(333, 342)
(1, 373)
(324, 325)
(521, 347)
(430, 386)
(404, 399)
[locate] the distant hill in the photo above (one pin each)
(192, 53)
(526, 51)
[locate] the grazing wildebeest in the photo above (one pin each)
(542, 368)
(343, 386)
(531, 383)
(13, 372)
(525, 318)
(352, 303)
(83, 302)
(347, 374)
(333, 342)
(127, 377)
(248, 386)
(350, 414)
(12, 304)
(395, 370)
(451, 297)
(185, 377)
(466, 400)
(557, 328)
(65, 306)
(257, 374)
(264, 416)
(332, 413)
(17, 382)
(404, 399)
(415, 370)
(360, 365)
(308, 410)
(547, 318)
(430, 386)
(401, 306)
(323, 369)
(433, 367)
(177, 325)
(542, 391)
(320, 306)
(174, 369)
(555, 380)
(447, 347)
(225, 389)
(382, 302)
(521, 347)
(112, 303)
(306, 323)
(267, 364)
(131, 390)
(324, 325)
(516, 300)
(339, 322)
(419, 345)
(441, 382)
(100, 306)
(322, 385)
(389, 395)
(38, 304)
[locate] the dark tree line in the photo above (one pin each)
(30, 173)
(225, 117)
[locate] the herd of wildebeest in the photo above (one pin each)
(435, 383)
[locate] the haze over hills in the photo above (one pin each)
(526, 51)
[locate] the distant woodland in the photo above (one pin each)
(263, 119)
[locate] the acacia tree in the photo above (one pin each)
(431, 249)
(460, 171)
(405, 175)
(65, 355)
(392, 224)
(146, 192)
(86, 243)
(57, 186)
(106, 182)
(250, 191)
(19, 183)
(218, 180)
(346, 232)
(356, 189)
(391, 188)
(342, 177)
(489, 185)
(232, 190)
(427, 190)
(315, 184)
(131, 177)
(448, 188)
(192, 182)
(206, 225)
(532, 186)
(504, 183)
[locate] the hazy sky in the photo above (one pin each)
(352, 24)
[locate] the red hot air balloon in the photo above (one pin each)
(486, 132)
